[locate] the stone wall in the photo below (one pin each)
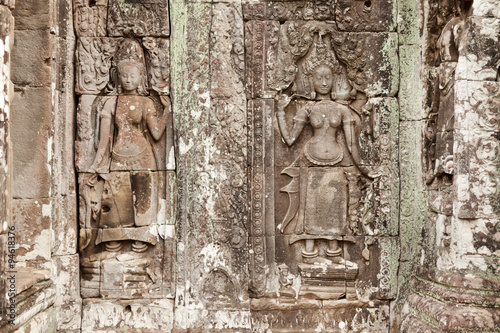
(251, 165)
(454, 287)
(43, 190)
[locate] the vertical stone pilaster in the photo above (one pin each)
(208, 93)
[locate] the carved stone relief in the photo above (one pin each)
(124, 155)
(360, 65)
(289, 10)
(324, 184)
(138, 18)
(90, 17)
(93, 63)
(359, 15)
(439, 136)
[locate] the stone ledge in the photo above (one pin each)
(35, 294)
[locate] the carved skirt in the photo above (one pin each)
(319, 201)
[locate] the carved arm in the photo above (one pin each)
(157, 126)
(352, 143)
(105, 133)
(298, 125)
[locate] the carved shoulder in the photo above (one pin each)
(107, 106)
(347, 114)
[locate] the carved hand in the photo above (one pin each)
(376, 173)
(283, 101)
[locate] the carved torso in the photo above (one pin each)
(325, 118)
(130, 142)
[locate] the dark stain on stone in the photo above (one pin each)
(141, 186)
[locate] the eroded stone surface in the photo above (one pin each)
(103, 315)
(124, 144)
(479, 56)
(138, 18)
(289, 10)
(352, 15)
(319, 156)
(90, 18)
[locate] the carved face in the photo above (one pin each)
(323, 79)
(322, 10)
(130, 78)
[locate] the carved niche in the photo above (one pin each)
(126, 168)
(324, 184)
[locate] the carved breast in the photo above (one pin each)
(129, 140)
(322, 148)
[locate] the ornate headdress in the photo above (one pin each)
(130, 52)
(321, 54)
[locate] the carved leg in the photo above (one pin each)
(309, 251)
(113, 246)
(139, 246)
(333, 248)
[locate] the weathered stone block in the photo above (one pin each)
(138, 18)
(355, 15)
(227, 66)
(261, 42)
(480, 56)
(6, 34)
(410, 92)
(412, 204)
(478, 174)
(33, 15)
(378, 262)
(34, 300)
(130, 315)
(379, 135)
(444, 317)
(32, 58)
(473, 247)
(93, 62)
(477, 105)
(408, 22)
(288, 10)
(68, 300)
(65, 225)
(90, 17)
(32, 220)
(45, 321)
(31, 145)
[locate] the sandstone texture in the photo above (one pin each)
(249, 166)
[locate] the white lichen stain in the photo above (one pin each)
(46, 210)
(166, 231)
(296, 284)
(162, 212)
(213, 257)
(41, 247)
(185, 147)
(49, 160)
(171, 159)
